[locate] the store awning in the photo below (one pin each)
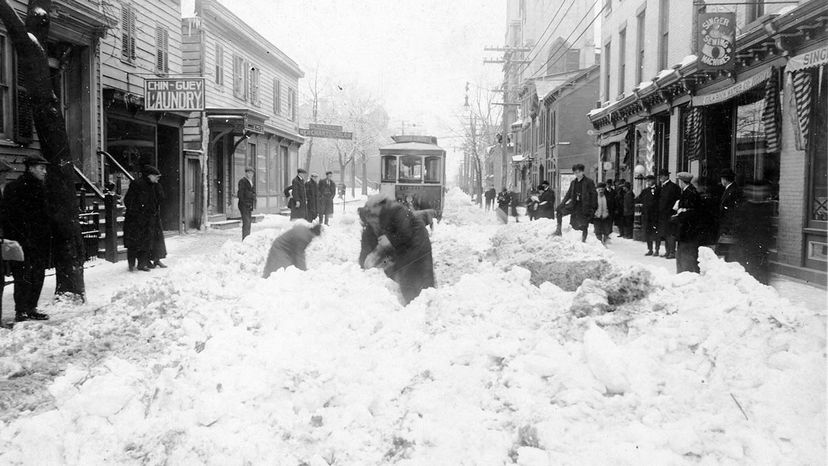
(612, 137)
(808, 60)
(518, 158)
(732, 91)
(770, 114)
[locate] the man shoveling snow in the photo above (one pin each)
(289, 248)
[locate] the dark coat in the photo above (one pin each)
(611, 207)
(327, 192)
(142, 220)
(728, 206)
(300, 199)
(504, 199)
(490, 194)
(247, 195)
(584, 202)
(289, 249)
(648, 198)
(546, 208)
(668, 194)
(312, 195)
(628, 203)
(26, 219)
(687, 218)
(753, 230)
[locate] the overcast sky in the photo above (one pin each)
(415, 56)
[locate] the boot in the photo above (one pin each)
(160, 264)
(584, 236)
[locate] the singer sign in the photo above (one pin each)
(716, 41)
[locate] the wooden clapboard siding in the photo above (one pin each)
(120, 74)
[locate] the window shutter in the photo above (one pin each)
(159, 49)
(125, 28)
(23, 124)
(132, 33)
(277, 97)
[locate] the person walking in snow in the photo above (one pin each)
(298, 201)
(142, 220)
(247, 200)
(504, 199)
(533, 203)
(602, 219)
(289, 248)
(312, 195)
(649, 215)
(490, 197)
(26, 220)
(546, 204)
(627, 211)
(686, 222)
(668, 194)
(579, 203)
(327, 192)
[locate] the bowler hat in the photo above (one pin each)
(650, 177)
(601, 184)
(150, 170)
(685, 176)
(664, 172)
(301, 170)
(727, 174)
(35, 159)
(249, 169)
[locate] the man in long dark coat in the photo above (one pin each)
(753, 230)
(327, 192)
(247, 200)
(648, 198)
(686, 220)
(5, 169)
(579, 203)
(142, 221)
(401, 235)
(546, 204)
(668, 194)
(728, 207)
(312, 195)
(26, 220)
(299, 198)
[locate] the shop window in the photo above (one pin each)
(129, 18)
(277, 96)
(255, 73)
(433, 169)
(411, 169)
(818, 149)
(219, 65)
(753, 162)
(389, 169)
(273, 171)
(162, 53)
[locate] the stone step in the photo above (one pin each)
(224, 225)
(216, 218)
(256, 218)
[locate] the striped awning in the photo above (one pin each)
(810, 59)
(801, 83)
(770, 114)
(693, 132)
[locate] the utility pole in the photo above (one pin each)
(509, 60)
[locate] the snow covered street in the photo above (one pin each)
(532, 350)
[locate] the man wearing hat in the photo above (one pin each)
(327, 192)
(546, 204)
(247, 200)
(668, 194)
(26, 220)
(299, 196)
(5, 169)
(731, 198)
(580, 203)
(648, 198)
(143, 234)
(312, 195)
(687, 228)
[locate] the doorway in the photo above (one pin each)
(218, 178)
(192, 189)
(169, 164)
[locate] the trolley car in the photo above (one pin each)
(413, 171)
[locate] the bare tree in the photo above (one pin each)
(29, 39)
(480, 127)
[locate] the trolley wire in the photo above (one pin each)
(588, 26)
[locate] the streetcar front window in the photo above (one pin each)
(411, 169)
(433, 170)
(389, 169)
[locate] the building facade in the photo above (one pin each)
(661, 109)
(250, 119)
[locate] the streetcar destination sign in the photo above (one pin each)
(325, 133)
(174, 94)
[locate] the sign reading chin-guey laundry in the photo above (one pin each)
(716, 41)
(174, 94)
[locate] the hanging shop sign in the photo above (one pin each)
(808, 60)
(734, 90)
(174, 94)
(716, 41)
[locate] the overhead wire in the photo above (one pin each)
(529, 58)
(588, 26)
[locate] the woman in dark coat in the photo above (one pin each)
(142, 221)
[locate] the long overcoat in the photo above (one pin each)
(327, 192)
(142, 220)
(584, 202)
(668, 194)
(299, 197)
(26, 219)
(312, 195)
(648, 198)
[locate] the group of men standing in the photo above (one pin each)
(311, 200)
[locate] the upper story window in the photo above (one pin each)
(664, 33)
(240, 77)
(255, 75)
(277, 96)
(641, 40)
(128, 32)
(607, 74)
(755, 10)
(219, 65)
(291, 104)
(162, 53)
(622, 59)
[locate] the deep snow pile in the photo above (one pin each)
(325, 367)
(458, 209)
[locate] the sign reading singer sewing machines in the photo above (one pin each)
(716, 41)
(174, 94)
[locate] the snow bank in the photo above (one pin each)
(325, 366)
(459, 210)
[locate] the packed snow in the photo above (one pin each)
(532, 350)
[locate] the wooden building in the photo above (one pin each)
(250, 120)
